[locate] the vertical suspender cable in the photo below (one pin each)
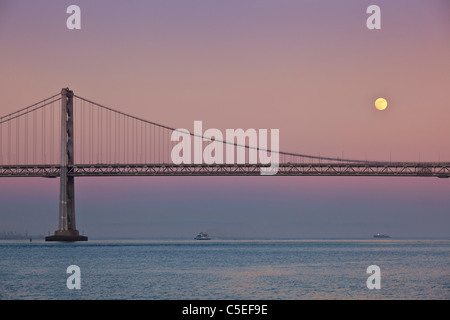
(116, 132)
(154, 144)
(52, 118)
(110, 137)
(118, 141)
(101, 136)
(26, 139)
(34, 137)
(9, 142)
(89, 138)
(107, 136)
(43, 136)
(135, 141)
(116, 135)
(159, 144)
(91, 156)
(145, 142)
(126, 143)
(136, 153)
(58, 128)
(99, 133)
(17, 140)
(52, 128)
(81, 131)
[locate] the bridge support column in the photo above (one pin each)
(66, 227)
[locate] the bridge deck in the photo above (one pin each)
(409, 169)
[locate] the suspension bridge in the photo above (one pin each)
(69, 136)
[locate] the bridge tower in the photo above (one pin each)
(66, 227)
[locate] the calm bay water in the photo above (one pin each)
(216, 270)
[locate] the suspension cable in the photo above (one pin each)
(227, 142)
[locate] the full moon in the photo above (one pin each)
(381, 104)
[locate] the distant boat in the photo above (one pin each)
(202, 236)
(380, 236)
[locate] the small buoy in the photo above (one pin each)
(31, 240)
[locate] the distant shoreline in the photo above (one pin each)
(216, 240)
(19, 236)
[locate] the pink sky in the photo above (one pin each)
(311, 70)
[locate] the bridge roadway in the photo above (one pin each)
(380, 169)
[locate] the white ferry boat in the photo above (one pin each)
(202, 236)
